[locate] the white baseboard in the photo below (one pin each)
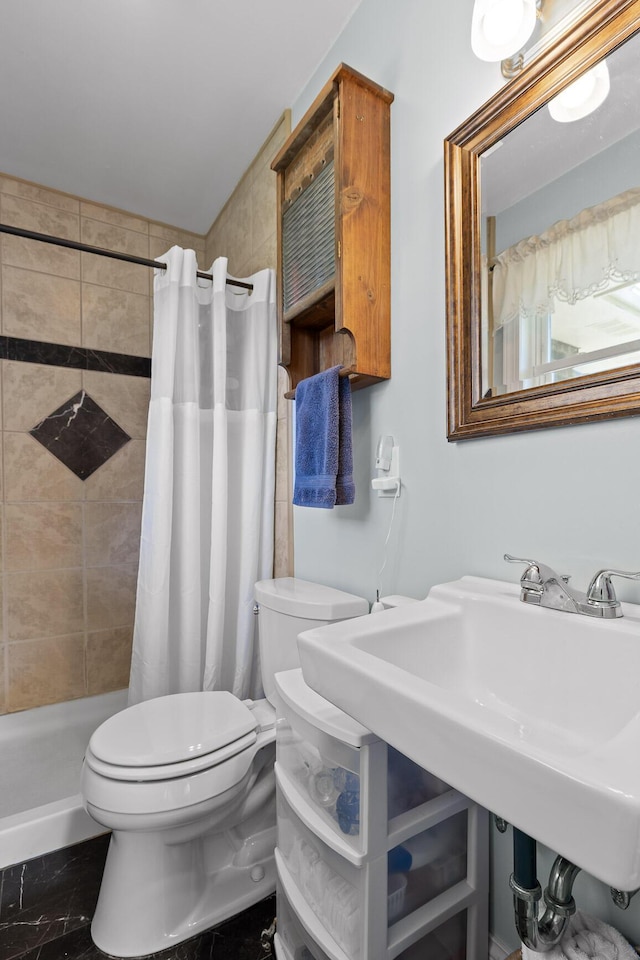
(497, 949)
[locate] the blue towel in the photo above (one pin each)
(345, 487)
(324, 458)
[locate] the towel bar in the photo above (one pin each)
(345, 372)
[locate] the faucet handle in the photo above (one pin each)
(536, 573)
(601, 590)
(532, 573)
(510, 559)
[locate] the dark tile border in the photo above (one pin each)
(74, 358)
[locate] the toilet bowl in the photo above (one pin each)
(185, 783)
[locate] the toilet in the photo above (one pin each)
(186, 784)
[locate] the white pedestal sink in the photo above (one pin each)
(533, 713)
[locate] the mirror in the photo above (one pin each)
(543, 240)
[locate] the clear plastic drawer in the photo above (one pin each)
(416, 872)
(297, 942)
(323, 755)
(331, 886)
(446, 942)
(294, 941)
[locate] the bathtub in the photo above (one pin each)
(41, 753)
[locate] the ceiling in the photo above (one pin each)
(153, 106)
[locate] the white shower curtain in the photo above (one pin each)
(207, 519)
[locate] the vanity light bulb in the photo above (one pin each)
(578, 92)
(499, 28)
(582, 96)
(501, 22)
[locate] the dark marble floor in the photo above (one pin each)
(46, 907)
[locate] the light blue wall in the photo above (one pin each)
(568, 496)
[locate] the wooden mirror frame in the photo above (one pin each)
(597, 396)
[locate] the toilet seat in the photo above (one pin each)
(169, 771)
(172, 736)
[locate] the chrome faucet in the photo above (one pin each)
(541, 585)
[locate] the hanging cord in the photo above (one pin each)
(377, 606)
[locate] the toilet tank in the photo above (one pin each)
(287, 607)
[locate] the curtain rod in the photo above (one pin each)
(101, 252)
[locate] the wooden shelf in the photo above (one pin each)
(344, 316)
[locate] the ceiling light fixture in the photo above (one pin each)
(499, 28)
(583, 96)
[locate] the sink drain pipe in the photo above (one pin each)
(540, 934)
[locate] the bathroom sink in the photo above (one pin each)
(533, 713)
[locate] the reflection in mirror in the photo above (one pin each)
(560, 274)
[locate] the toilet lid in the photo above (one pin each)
(172, 729)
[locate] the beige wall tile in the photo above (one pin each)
(172, 235)
(32, 473)
(265, 256)
(33, 191)
(111, 594)
(3, 699)
(282, 461)
(44, 603)
(45, 257)
(284, 385)
(117, 218)
(111, 237)
(121, 477)
(238, 234)
(114, 273)
(115, 320)
(40, 307)
(112, 533)
(242, 269)
(41, 536)
(217, 240)
(108, 657)
(45, 671)
(283, 553)
(125, 399)
(263, 207)
(273, 143)
(159, 247)
(39, 217)
(32, 391)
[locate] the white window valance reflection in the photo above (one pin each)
(571, 261)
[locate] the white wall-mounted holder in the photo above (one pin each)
(388, 483)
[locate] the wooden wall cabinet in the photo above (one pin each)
(334, 234)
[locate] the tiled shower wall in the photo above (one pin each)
(73, 322)
(245, 232)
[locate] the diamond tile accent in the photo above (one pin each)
(81, 435)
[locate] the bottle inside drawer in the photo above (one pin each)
(327, 775)
(432, 862)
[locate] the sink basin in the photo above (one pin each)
(533, 713)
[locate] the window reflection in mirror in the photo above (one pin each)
(561, 242)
